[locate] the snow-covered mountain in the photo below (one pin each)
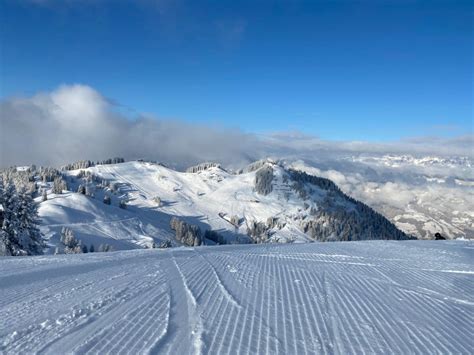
(396, 161)
(422, 195)
(374, 297)
(205, 205)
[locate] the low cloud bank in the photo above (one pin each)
(76, 122)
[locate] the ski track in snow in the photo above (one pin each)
(318, 298)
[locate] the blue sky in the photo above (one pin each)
(341, 70)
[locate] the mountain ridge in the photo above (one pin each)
(225, 207)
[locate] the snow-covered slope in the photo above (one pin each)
(372, 297)
(93, 222)
(213, 199)
(422, 196)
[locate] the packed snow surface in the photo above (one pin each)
(356, 297)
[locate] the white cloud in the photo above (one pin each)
(76, 122)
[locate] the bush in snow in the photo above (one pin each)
(107, 200)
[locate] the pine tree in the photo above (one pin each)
(29, 235)
(71, 244)
(4, 241)
(59, 185)
(10, 225)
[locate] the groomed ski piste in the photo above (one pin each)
(318, 298)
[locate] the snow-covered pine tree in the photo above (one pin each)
(10, 224)
(29, 236)
(4, 242)
(71, 244)
(59, 185)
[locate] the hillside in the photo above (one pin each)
(344, 298)
(421, 195)
(263, 203)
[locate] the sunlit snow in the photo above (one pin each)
(356, 297)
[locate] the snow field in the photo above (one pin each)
(355, 297)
